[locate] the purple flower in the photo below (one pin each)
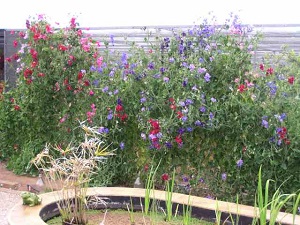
(201, 60)
(199, 123)
(156, 76)
(280, 117)
(211, 115)
(162, 70)
(116, 92)
(188, 102)
(100, 70)
(264, 122)
(110, 115)
(185, 179)
(181, 130)
(93, 68)
(166, 79)
(213, 99)
(171, 60)
(201, 180)
(105, 89)
(189, 129)
(207, 77)
(239, 163)
(224, 176)
(103, 130)
(201, 70)
(184, 83)
(122, 145)
(181, 103)
(168, 145)
(151, 66)
(273, 87)
(112, 39)
(184, 118)
(112, 73)
(202, 109)
(192, 67)
(142, 100)
(96, 83)
(124, 58)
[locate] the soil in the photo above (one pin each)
(121, 217)
(10, 180)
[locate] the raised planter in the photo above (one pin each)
(118, 196)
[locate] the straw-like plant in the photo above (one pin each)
(71, 172)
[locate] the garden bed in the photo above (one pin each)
(118, 196)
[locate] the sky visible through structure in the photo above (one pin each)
(99, 13)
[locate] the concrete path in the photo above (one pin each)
(8, 198)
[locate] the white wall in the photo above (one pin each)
(13, 13)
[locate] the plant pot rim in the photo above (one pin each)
(23, 214)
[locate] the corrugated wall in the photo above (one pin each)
(275, 36)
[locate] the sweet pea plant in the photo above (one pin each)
(193, 100)
(51, 87)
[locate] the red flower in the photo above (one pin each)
(62, 47)
(21, 34)
(86, 83)
(287, 141)
(165, 177)
(178, 139)
(146, 167)
(154, 124)
(41, 75)
(179, 115)
(16, 56)
(17, 108)
(291, 79)
(12, 100)
(242, 88)
(48, 28)
(34, 64)
(124, 117)
(80, 75)
(261, 67)
(8, 59)
(15, 43)
(119, 108)
(270, 71)
(173, 107)
(172, 100)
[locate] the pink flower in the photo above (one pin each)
(91, 93)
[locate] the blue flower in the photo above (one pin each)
(273, 87)
(116, 92)
(122, 145)
(110, 115)
(211, 115)
(201, 70)
(213, 99)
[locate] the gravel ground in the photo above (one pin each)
(8, 198)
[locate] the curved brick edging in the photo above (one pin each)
(25, 215)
